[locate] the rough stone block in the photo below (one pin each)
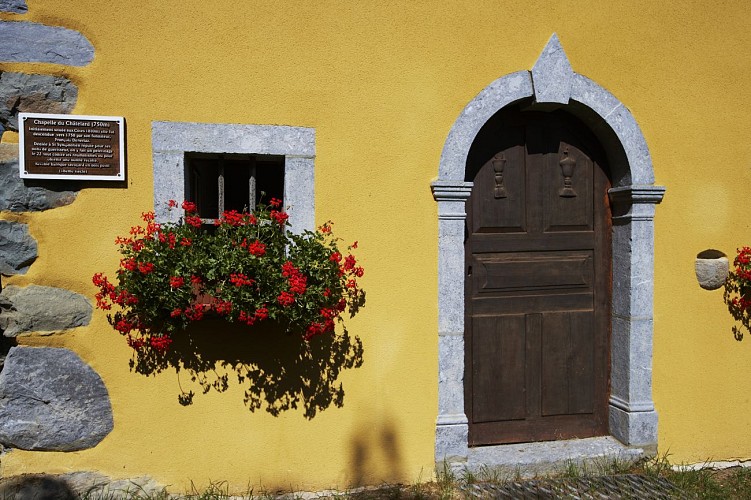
(34, 94)
(51, 400)
(17, 248)
(36, 486)
(30, 196)
(96, 485)
(77, 485)
(41, 309)
(14, 6)
(22, 41)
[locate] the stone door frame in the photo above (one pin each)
(552, 83)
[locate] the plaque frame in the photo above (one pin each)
(119, 121)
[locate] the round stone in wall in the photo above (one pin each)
(711, 269)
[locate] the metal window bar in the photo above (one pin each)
(221, 188)
(252, 185)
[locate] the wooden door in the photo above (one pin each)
(537, 281)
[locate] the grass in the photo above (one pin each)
(704, 483)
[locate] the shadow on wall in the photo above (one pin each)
(279, 371)
(5, 345)
(376, 455)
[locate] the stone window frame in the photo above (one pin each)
(171, 141)
(553, 84)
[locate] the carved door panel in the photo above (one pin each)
(538, 281)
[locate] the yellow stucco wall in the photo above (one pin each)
(382, 82)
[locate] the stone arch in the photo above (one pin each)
(553, 84)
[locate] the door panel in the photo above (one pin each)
(510, 270)
(538, 281)
(504, 384)
(568, 209)
(503, 196)
(567, 363)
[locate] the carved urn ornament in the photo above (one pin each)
(568, 165)
(499, 163)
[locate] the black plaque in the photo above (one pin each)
(71, 147)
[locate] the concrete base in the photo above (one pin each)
(533, 459)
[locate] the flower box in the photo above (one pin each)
(248, 269)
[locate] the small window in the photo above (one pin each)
(216, 183)
(284, 159)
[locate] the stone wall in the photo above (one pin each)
(50, 399)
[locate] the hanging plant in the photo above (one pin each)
(737, 293)
(247, 269)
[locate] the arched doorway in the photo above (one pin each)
(631, 417)
(537, 280)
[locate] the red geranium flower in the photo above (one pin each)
(145, 267)
(193, 220)
(285, 299)
(279, 217)
(257, 248)
(160, 342)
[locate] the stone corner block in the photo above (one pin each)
(451, 444)
(41, 309)
(50, 399)
(633, 428)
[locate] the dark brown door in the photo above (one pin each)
(538, 281)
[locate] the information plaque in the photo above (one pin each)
(74, 147)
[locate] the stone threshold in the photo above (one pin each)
(528, 460)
